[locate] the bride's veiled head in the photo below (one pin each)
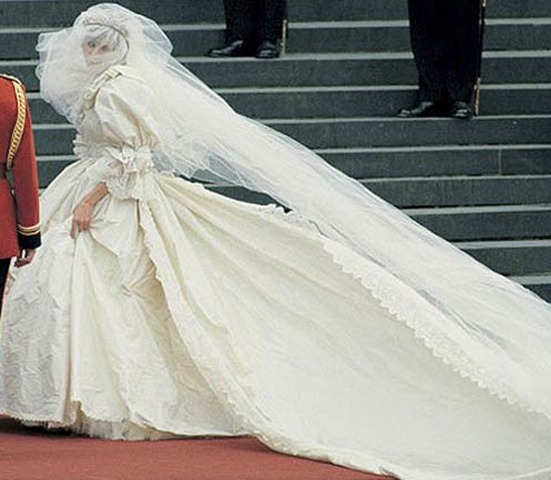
(103, 46)
(108, 34)
(102, 36)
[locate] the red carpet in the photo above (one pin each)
(31, 454)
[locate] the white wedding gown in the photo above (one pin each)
(184, 313)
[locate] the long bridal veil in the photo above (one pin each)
(487, 328)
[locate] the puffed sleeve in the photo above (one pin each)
(25, 187)
(123, 106)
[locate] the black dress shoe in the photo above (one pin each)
(237, 48)
(461, 110)
(421, 109)
(267, 49)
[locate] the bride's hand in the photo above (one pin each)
(82, 214)
(82, 217)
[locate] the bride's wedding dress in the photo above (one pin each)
(183, 313)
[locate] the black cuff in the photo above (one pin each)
(29, 241)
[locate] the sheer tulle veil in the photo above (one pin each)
(489, 329)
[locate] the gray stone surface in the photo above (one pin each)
(541, 285)
(342, 101)
(526, 161)
(313, 37)
(354, 69)
(487, 223)
(357, 132)
(55, 139)
(399, 162)
(458, 191)
(61, 13)
(521, 257)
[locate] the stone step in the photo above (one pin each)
(395, 162)
(521, 257)
(314, 37)
(429, 161)
(501, 222)
(462, 190)
(55, 13)
(390, 132)
(397, 9)
(360, 69)
(375, 101)
(458, 224)
(55, 139)
(393, 36)
(445, 191)
(486, 222)
(50, 167)
(415, 192)
(539, 284)
(378, 101)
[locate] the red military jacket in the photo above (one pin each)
(19, 204)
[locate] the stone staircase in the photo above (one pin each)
(484, 184)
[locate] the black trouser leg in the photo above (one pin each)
(240, 20)
(4, 267)
(271, 14)
(428, 43)
(464, 47)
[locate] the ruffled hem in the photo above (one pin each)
(93, 426)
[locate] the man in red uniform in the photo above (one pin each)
(19, 204)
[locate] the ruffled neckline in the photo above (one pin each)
(90, 93)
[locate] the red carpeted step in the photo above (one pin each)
(32, 454)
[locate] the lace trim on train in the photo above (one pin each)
(410, 314)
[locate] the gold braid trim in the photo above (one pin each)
(28, 231)
(10, 77)
(19, 127)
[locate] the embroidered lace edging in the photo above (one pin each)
(409, 313)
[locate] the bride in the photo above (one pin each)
(341, 330)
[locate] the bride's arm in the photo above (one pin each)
(123, 106)
(82, 214)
